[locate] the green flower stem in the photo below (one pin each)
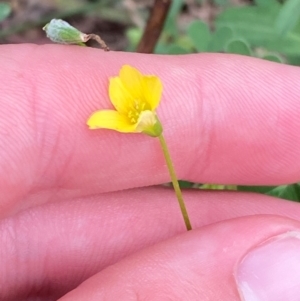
(175, 182)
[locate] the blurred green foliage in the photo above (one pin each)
(289, 192)
(5, 11)
(268, 29)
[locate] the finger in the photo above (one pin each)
(237, 116)
(207, 264)
(50, 249)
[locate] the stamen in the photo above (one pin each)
(137, 107)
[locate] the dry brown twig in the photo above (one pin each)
(154, 26)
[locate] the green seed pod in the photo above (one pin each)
(62, 32)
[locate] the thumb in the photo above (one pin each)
(250, 258)
(271, 271)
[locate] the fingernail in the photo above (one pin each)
(271, 271)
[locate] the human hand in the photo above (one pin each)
(227, 119)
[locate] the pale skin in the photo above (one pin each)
(226, 119)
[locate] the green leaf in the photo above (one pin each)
(185, 184)
(288, 16)
(219, 39)
(185, 42)
(238, 47)
(294, 60)
(161, 48)
(258, 189)
(266, 3)
(288, 192)
(5, 11)
(273, 58)
(221, 2)
(133, 35)
(171, 22)
(255, 24)
(175, 49)
(199, 33)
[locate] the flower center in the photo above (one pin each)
(134, 111)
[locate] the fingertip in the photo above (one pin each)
(197, 263)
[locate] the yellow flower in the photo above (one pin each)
(135, 97)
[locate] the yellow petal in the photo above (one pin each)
(119, 95)
(152, 87)
(143, 88)
(132, 79)
(109, 119)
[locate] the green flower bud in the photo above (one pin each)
(149, 124)
(62, 32)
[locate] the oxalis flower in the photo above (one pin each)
(135, 98)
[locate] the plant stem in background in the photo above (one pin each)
(154, 26)
(175, 182)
